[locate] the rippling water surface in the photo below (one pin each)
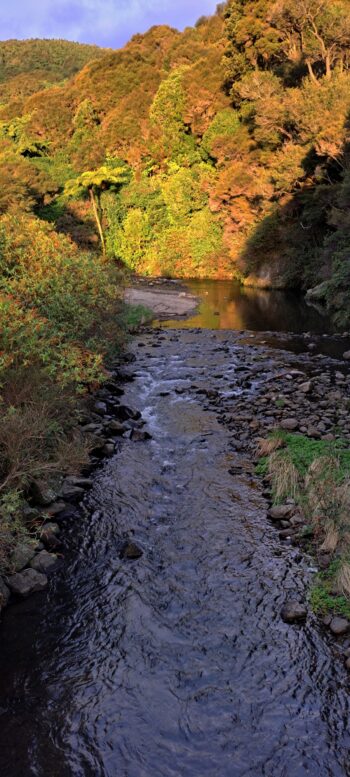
(178, 664)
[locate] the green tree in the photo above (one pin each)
(112, 175)
(167, 118)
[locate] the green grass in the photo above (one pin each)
(137, 315)
(304, 450)
(324, 603)
(262, 467)
(280, 402)
(322, 600)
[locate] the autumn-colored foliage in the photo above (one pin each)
(231, 140)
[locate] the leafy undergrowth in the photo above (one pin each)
(61, 316)
(316, 474)
(136, 316)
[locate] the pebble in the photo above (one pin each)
(290, 424)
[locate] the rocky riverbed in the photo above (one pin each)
(175, 636)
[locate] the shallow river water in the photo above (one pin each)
(177, 664)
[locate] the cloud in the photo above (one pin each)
(106, 22)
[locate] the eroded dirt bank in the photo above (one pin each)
(177, 662)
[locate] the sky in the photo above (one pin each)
(105, 22)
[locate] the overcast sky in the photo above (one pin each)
(105, 22)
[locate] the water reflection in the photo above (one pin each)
(227, 305)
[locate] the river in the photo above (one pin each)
(176, 664)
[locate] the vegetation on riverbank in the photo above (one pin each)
(316, 475)
(61, 317)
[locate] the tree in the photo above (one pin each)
(167, 117)
(112, 175)
(319, 30)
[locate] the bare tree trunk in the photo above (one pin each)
(311, 72)
(328, 67)
(98, 220)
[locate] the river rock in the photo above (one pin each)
(44, 562)
(306, 387)
(346, 355)
(100, 408)
(92, 428)
(30, 514)
(280, 512)
(4, 594)
(339, 626)
(347, 664)
(313, 433)
(293, 612)
(27, 582)
(131, 551)
(139, 436)
(108, 449)
(49, 537)
(124, 413)
(21, 556)
(70, 491)
(51, 527)
(116, 427)
(56, 508)
(290, 424)
(43, 494)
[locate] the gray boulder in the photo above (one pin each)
(44, 562)
(70, 491)
(27, 582)
(21, 556)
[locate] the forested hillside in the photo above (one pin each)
(27, 66)
(221, 151)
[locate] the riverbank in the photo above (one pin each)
(30, 527)
(166, 299)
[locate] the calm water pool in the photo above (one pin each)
(227, 305)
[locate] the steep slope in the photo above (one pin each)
(234, 138)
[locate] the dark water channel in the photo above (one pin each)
(228, 305)
(178, 664)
